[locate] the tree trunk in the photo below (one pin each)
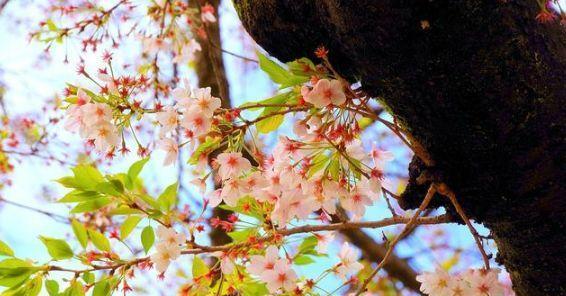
(480, 84)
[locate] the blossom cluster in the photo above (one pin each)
(472, 282)
(168, 247)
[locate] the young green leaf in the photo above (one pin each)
(87, 176)
(80, 232)
(13, 272)
(303, 260)
(58, 249)
(52, 287)
(112, 188)
(101, 288)
(308, 246)
(75, 289)
(129, 224)
(134, 171)
(270, 123)
(91, 205)
(99, 240)
(199, 267)
(168, 199)
(277, 73)
(242, 235)
(147, 238)
(5, 250)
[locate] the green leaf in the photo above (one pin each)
(247, 206)
(168, 199)
(319, 162)
(254, 288)
(134, 171)
(242, 235)
(270, 124)
(112, 187)
(51, 25)
(87, 176)
(75, 289)
(79, 196)
(80, 232)
(147, 238)
(52, 287)
(5, 250)
(99, 240)
(199, 267)
(149, 200)
(124, 210)
(91, 205)
(302, 67)
(102, 288)
(334, 169)
(68, 182)
(277, 73)
(33, 287)
(209, 145)
(88, 277)
(129, 224)
(303, 260)
(13, 272)
(277, 99)
(308, 245)
(27, 288)
(57, 248)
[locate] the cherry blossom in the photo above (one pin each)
(171, 149)
(348, 261)
(260, 264)
(226, 263)
(323, 240)
(484, 282)
(168, 118)
(282, 276)
(205, 102)
(207, 14)
(164, 255)
(104, 135)
(196, 122)
(435, 283)
(170, 236)
(356, 201)
(231, 164)
(326, 92)
(187, 52)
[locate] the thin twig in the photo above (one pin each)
(56, 217)
(450, 194)
(408, 227)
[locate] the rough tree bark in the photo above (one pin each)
(482, 89)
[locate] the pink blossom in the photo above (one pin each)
(205, 102)
(207, 14)
(281, 277)
(168, 118)
(348, 261)
(260, 264)
(196, 121)
(326, 92)
(232, 164)
(171, 149)
(104, 134)
(435, 283)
